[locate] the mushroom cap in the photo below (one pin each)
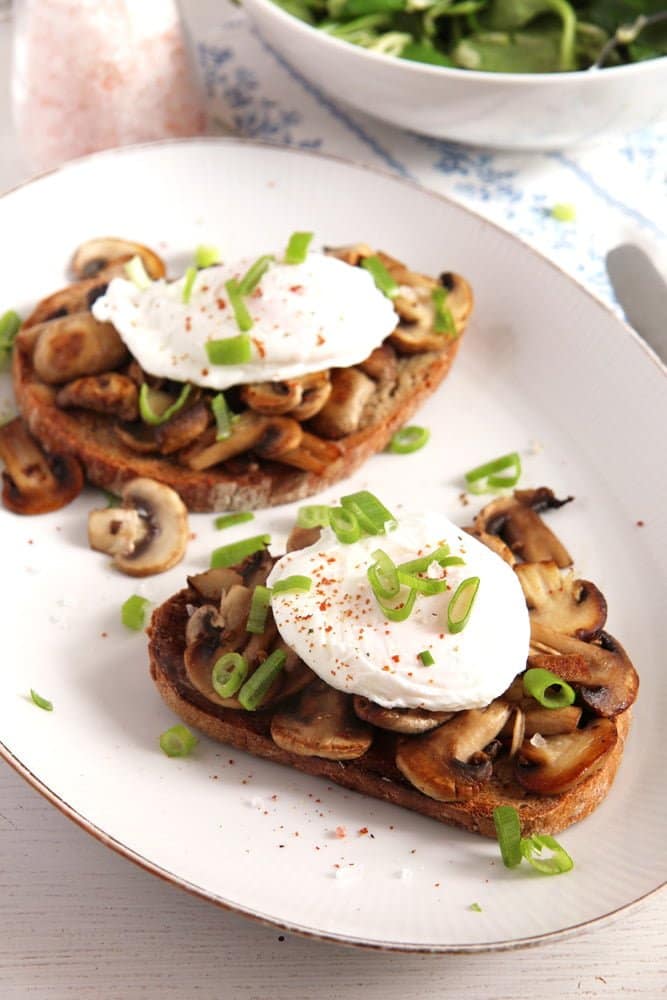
(322, 725)
(94, 255)
(341, 414)
(607, 681)
(449, 763)
(516, 520)
(398, 720)
(34, 482)
(573, 607)
(160, 534)
(74, 345)
(110, 393)
(558, 763)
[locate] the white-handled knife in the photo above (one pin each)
(642, 292)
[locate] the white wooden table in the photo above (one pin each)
(78, 921)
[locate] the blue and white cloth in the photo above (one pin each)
(617, 189)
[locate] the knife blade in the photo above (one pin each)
(642, 292)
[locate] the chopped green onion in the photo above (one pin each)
(10, 324)
(293, 585)
(133, 612)
(443, 321)
(422, 584)
(422, 564)
(41, 702)
(508, 831)
(229, 555)
(228, 674)
(229, 520)
(383, 576)
(223, 416)
(460, 606)
(563, 212)
(207, 256)
(297, 248)
(136, 272)
(188, 284)
(230, 351)
(313, 516)
(426, 657)
(401, 612)
(178, 741)
(548, 689)
(372, 515)
(408, 439)
(254, 274)
(259, 609)
(381, 276)
(557, 864)
(475, 907)
(257, 686)
(148, 414)
(241, 314)
(484, 478)
(344, 525)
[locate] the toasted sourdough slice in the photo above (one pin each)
(553, 767)
(247, 480)
(375, 773)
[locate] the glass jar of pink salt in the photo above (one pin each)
(92, 74)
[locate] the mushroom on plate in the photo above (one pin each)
(573, 607)
(516, 520)
(110, 393)
(97, 254)
(76, 345)
(322, 725)
(34, 482)
(342, 412)
(553, 764)
(450, 762)
(398, 720)
(147, 534)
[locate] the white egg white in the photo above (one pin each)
(340, 631)
(306, 318)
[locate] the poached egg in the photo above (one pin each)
(306, 317)
(339, 630)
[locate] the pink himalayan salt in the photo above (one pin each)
(92, 74)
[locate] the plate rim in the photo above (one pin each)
(172, 878)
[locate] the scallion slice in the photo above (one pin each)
(559, 862)
(223, 416)
(295, 584)
(402, 611)
(344, 525)
(188, 285)
(228, 674)
(461, 604)
(10, 324)
(443, 321)
(178, 741)
(550, 690)
(383, 576)
(257, 686)
(136, 272)
(43, 703)
(426, 657)
(229, 555)
(422, 564)
(408, 439)
(484, 478)
(207, 256)
(133, 612)
(381, 276)
(148, 414)
(372, 515)
(508, 831)
(229, 520)
(260, 603)
(313, 516)
(297, 248)
(241, 314)
(254, 274)
(422, 584)
(230, 351)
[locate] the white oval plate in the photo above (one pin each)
(545, 369)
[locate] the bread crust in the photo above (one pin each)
(375, 773)
(238, 484)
